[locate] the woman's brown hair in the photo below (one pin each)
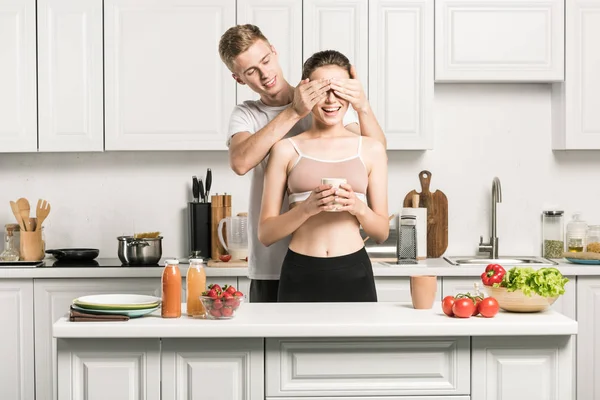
(324, 58)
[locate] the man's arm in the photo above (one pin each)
(247, 150)
(352, 91)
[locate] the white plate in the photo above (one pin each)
(117, 301)
(129, 313)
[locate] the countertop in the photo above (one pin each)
(112, 268)
(324, 320)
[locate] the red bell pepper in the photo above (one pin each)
(493, 274)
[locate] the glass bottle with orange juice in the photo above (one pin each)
(195, 285)
(171, 290)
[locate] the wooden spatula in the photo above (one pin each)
(23, 204)
(41, 212)
(15, 210)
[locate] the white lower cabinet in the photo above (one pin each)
(123, 369)
(397, 289)
(500, 364)
(367, 367)
(588, 338)
(16, 340)
(207, 369)
(52, 300)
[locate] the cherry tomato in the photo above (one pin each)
(488, 307)
(225, 257)
(463, 308)
(447, 304)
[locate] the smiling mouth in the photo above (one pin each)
(271, 83)
(331, 110)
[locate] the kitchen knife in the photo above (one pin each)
(195, 189)
(201, 189)
(208, 182)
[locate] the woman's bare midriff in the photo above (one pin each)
(327, 234)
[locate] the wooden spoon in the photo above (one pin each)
(23, 204)
(41, 212)
(15, 210)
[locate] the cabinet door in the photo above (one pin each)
(522, 368)
(18, 96)
(16, 339)
(108, 369)
(70, 75)
(281, 23)
(224, 369)
(166, 86)
(575, 103)
(338, 25)
(588, 345)
(401, 71)
(397, 289)
(52, 300)
(499, 40)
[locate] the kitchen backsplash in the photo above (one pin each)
(481, 131)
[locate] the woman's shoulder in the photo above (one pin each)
(283, 148)
(373, 146)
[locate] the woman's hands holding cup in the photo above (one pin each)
(320, 199)
(346, 200)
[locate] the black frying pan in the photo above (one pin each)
(74, 254)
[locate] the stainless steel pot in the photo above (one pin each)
(139, 251)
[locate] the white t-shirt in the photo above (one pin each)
(251, 116)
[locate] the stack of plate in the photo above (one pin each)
(132, 305)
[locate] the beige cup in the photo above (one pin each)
(335, 183)
(32, 246)
(422, 291)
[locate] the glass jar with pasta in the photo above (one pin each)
(593, 239)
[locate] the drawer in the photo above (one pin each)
(367, 367)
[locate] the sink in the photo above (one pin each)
(522, 261)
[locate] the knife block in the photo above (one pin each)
(199, 230)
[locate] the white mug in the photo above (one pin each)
(335, 183)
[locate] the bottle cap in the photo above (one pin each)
(196, 261)
(553, 212)
(172, 261)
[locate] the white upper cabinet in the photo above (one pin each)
(18, 113)
(401, 71)
(338, 25)
(71, 116)
(165, 85)
(281, 23)
(499, 40)
(576, 102)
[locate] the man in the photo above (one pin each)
(255, 126)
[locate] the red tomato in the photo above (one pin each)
(463, 308)
(447, 304)
(488, 307)
(225, 257)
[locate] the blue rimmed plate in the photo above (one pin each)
(129, 313)
(581, 261)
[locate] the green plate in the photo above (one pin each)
(129, 313)
(117, 302)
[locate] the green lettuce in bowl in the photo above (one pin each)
(546, 282)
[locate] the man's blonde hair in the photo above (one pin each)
(236, 40)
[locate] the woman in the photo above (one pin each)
(326, 258)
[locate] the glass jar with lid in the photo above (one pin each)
(576, 234)
(593, 238)
(553, 233)
(11, 252)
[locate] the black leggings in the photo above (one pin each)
(347, 278)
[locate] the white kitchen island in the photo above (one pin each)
(342, 351)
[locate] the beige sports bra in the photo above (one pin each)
(307, 171)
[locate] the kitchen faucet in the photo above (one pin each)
(492, 246)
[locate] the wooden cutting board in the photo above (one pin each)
(437, 215)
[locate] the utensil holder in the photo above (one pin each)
(422, 291)
(32, 246)
(199, 230)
